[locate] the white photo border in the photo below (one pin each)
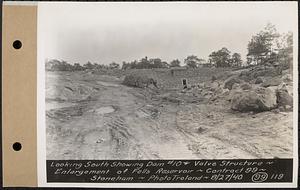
(41, 127)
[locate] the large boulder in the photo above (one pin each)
(284, 98)
(246, 86)
(258, 80)
(233, 93)
(257, 100)
(271, 82)
(231, 81)
(242, 86)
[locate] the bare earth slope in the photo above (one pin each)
(95, 117)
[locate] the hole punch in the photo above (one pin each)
(17, 44)
(17, 146)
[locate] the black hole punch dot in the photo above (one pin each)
(17, 44)
(17, 146)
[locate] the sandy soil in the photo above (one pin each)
(95, 117)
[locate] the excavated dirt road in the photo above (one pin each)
(95, 117)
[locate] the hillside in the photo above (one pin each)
(105, 119)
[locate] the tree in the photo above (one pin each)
(126, 65)
(88, 65)
(114, 65)
(133, 64)
(220, 58)
(236, 60)
(262, 45)
(61, 66)
(77, 67)
(96, 66)
(192, 61)
(285, 53)
(164, 64)
(202, 61)
(175, 63)
(157, 63)
(144, 63)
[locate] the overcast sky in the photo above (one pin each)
(107, 32)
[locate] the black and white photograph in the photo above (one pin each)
(169, 81)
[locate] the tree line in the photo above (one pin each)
(267, 46)
(216, 58)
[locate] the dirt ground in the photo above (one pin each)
(96, 117)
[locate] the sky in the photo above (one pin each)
(117, 32)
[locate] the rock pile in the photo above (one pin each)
(139, 81)
(262, 89)
(231, 81)
(259, 71)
